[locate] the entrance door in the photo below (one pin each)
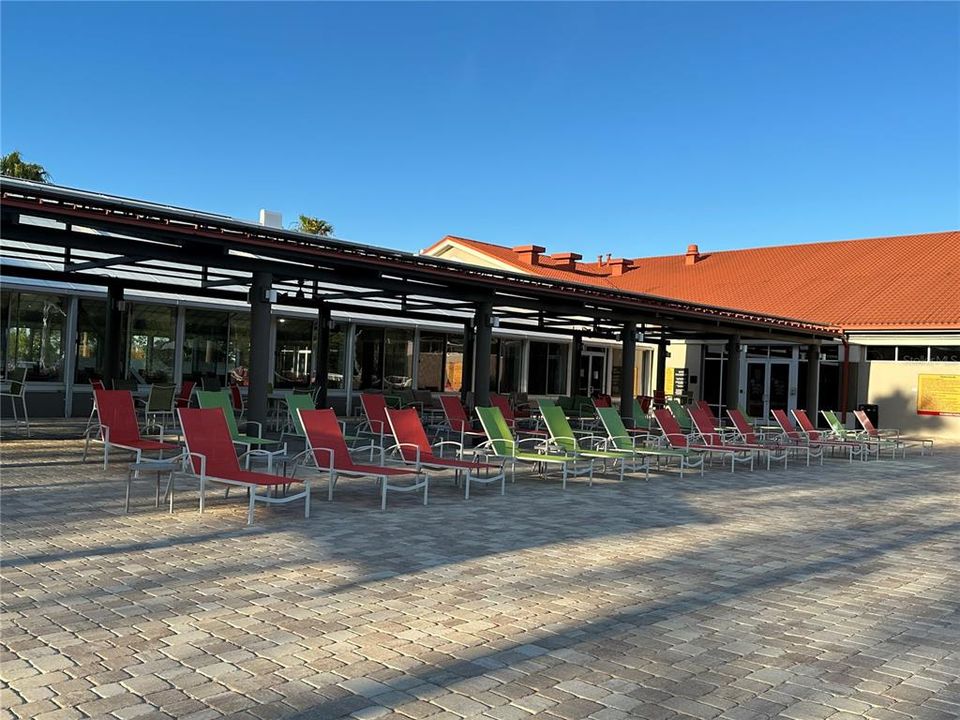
(593, 375)
(768, 387)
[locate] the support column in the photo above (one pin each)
(627, 371)
(813, 382)
(322, 351)
(576, 363)
(261, 294)
(731, 391)
(466, 373)
(483, 345)
(113, 335)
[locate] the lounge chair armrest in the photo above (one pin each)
(187, 465)
(369, 448)
(297, 460)
(259, 428)
(399, 448)
(458, 446)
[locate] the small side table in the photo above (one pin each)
(160, 467)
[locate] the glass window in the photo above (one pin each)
(511, 359)
(548, 369)
(296, 339)
(368, 358)
(830, 352)
(151, 330)
(914, 353)
(205, 344)
(616, 372)
(430, 361)
(945, 353)
(33, 334)
(238, 347)
(91, 331)
(881, 352)
(453, 364)
(398, 358)
(336, 357)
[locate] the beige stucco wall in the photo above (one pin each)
(893, 386)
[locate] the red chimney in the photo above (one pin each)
(619, 266)
(693, 255)
(566, 261)
(529, 254)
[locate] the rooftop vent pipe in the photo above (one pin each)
(693, 255)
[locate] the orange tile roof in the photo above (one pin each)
(905, 282)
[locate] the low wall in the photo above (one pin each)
(893, 387)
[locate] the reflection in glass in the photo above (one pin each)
(150, 343)
(33, 326)
(91, 331)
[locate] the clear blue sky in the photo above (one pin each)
(626, 128)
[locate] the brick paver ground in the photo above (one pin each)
(804, 594)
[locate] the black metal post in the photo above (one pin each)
(627, 371)
(113, 335)
(576, 363)
(481, 352)
(323, 351)
(731, 385)
(812, 399)
(260, 304)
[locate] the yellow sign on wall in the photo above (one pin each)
(938, 395)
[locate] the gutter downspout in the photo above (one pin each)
(845, 382)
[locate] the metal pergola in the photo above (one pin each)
(120, 243)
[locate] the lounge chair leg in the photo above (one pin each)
(383, 494)
(426, 488)
(306, 498)
(106, 454)
(202, 498)
(466, 481)
(126, 504)
(253, 499)
(330, 482)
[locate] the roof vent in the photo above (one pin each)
(619, 266)
(529, 253)
(566, 261)
(271, 218)
(693, 255)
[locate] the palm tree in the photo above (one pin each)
(13, 165)
(314, 226)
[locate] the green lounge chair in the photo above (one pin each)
(682, 416)
(562, 435)
(874, 445)
(622, 439)
(221, 399)
(294, 426)
(501, 444)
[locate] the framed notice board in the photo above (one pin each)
(938, 394)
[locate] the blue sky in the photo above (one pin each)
(633, 129)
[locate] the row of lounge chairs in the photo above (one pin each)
(212, 438)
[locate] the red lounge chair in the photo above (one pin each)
(414, 447)
(213, 458)
(677, 440)
(706, 425)
(750, 436)
(117, 427)
(792, 435)
(457, 419)
(186, 390)
(375, 411)
(894, 435)
(808, 429)
(502, 403)
(328, 451)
